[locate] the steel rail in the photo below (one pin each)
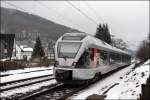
(25, 72)
(24, 84)
(16, 81)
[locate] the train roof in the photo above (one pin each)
(91, 42)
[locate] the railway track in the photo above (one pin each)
(24, 82)
(62, 91)
(25, 72)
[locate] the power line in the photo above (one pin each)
(82, 12)
(15, 6)
(30, 12)
(68, 20)
(93, 11)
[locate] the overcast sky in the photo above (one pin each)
(128, 20)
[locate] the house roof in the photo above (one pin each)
(26, 49)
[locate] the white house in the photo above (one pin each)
(23, 52)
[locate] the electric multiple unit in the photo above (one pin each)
(80, 57)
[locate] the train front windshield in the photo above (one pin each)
(68, 49)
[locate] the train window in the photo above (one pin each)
(73, 37)
(118, 57)
(112, 58)
(68, 49)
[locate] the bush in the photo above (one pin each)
(10, 65)
(143, 51)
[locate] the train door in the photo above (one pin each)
(104, 58)
(91, 59)
(84, 61)
(104, 61)
(87, 59)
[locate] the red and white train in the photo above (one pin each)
(80, 57)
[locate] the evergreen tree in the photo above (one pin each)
(100, 33)
(38, 51)
(143, 52)
(108, 37)
(103, 34)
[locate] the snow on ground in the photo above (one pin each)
(15, 75)
(130, 86)
(103, 84)
(17, 71)
(25, 75)
(124, 84)
(25, 82)
(26, 89)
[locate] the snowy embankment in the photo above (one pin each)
(19, 74)
(130, 85)
(124, 84)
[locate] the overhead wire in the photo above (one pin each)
(15, 6)
(59, 13)
(98, 16)
(67, 19)
(34, 13)
(84, 14)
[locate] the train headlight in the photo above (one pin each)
(74, 64)
(56, 64)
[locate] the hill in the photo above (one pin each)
(29, 26)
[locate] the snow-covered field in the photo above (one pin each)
(124, 84)
(10, 72)
(19, 74)
(26, 89)
(15, 74)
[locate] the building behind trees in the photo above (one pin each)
(6, 45)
